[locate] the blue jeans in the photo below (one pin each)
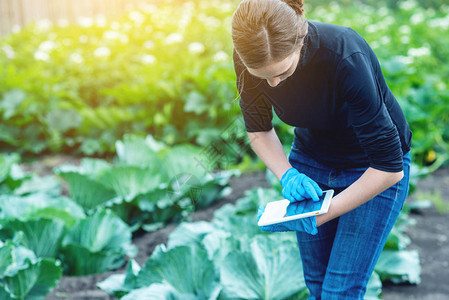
(339, 260)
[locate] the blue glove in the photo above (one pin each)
(305, 224)
(298, 186)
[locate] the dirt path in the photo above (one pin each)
(429, 236)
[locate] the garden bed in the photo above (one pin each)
(429, 236)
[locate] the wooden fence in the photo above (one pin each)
(14, 14)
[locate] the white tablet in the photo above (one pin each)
(276, 211)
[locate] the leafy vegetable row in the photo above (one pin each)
(231, 258)
(44, 234)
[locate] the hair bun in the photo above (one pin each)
(297, 6)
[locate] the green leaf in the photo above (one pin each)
(86, 191)
(23, 275)
(36, 281)
(187, 234)
(63, 119)
(120, 284)
(6, 162)
(43, 236)
(113, 285)
(55, 213)
(136, 151)
(101, 231)
(93, 166)
(195, 102)
(397, 240)
(6, 257)
(22, 258)
(219, 243)
(97, 244)
(130, 181)
(182, 159)
(399, 266)
(40, 184)
(24, 208)
(80, 261)
(11, 102)
(197, 275)
(160, 291)
(260, 272)
(374, 288)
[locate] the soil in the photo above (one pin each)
(429, 236)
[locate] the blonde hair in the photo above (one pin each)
(267, 31)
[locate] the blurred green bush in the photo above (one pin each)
(167, 70)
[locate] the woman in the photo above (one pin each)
(350, 135)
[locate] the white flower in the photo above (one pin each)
(416, 52)
(440, 22)
(148, 29)
(404, 29)
(196, 47)
(101, 21)
(16, 28)
(124, 39)
(63, 22)
(417, 18)
(137, 17)
(220, 56)
(52, 36)
(127, 26)
(389, 20)
(384, 40)
(115, 26)
(40, 55)
(43, 25)
(334, 7)
(67, 42)
(47, 46)
(405, 39)
(148, 59)
(226, 6)
(441, 86)
(407, 5)
(383, 11)
(83, 39)
(173, 38)
(102, 52)
(406, 60)
(374, 44)
(76, 58)
(9, 51)
(372, 28)
(211, 22)
(85, 22)
(150, 8)
(148, 44)
(111, 35)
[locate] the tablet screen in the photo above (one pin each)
(311, 206)
(283, 210)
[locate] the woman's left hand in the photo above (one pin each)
(305, 224)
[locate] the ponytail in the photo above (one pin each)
(296, 5)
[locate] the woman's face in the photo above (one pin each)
(276, 72)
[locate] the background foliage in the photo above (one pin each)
(167, 71)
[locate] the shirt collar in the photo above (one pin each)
(311, 45)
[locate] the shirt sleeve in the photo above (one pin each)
(368, 115)
(257, 111)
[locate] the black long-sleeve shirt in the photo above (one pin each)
(337, 99)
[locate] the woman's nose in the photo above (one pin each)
(273, 82)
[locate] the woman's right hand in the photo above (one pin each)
(297, 186)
